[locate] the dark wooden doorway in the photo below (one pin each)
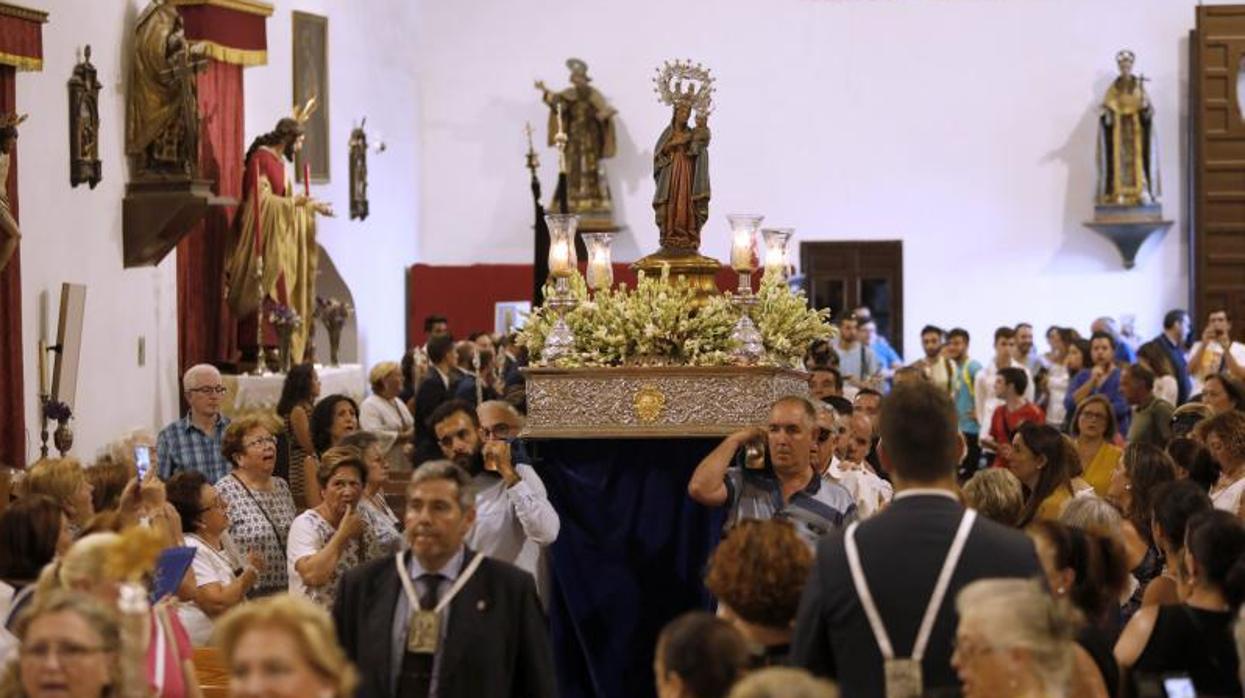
(846, 275)
(1217, 232)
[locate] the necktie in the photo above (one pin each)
(432, 587)
(415, 679)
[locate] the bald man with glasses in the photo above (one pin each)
(193, 442)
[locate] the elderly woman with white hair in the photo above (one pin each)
(194, 441)
(1014, 640)
(384, 414)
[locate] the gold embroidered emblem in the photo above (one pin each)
(648, 404)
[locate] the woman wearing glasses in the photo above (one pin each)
(1093, 429)
(223, 574)
(260, 506)
(68, 647)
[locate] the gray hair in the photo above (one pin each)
(362, 440)
(1093, 514)
(996, 494)
(806, 405)
(504, 406)
(445, 470)
(821, 407)
(122, 450)
(1023, 615)
(194, 375)
(783, 682)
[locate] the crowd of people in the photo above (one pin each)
(1059, 523)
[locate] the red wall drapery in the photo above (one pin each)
(466, 295)
(12, 393)
(22, 42)
(205, 326)
(235, 37)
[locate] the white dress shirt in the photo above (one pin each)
(870, 491)
(515, 524)
(385, 418)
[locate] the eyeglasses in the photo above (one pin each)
(1102, 416)
(209, 390)
(67, 652)
(822, 435)
(497, 431)
(261, 441)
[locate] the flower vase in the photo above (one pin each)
(285, 338)
(63, 437)
(335, 341)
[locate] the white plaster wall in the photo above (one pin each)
(965, 128)
(75, 234)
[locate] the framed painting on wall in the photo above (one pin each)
(311, 79)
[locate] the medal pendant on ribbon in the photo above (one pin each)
(903, 678)
(425, 633)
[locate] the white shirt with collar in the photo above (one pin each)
(445, 377)
(402, 614)
(871, 492)
(515, 524)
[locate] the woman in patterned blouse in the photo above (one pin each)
(330, 539)
(259, 504)
(384, 522)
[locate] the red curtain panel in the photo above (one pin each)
(205, 327)
(12, 405)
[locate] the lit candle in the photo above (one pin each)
(599, 273)
(559, 258)
(743, 238)
(741, 251)
(776, 249)
(774, 259)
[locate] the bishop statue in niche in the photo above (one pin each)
(1128, 154)
(162, 118)
(358, 172)
(84, 164)
(587, 120)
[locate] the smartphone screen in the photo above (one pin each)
(142, 457)
(1178, 687)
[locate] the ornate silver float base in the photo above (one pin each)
(658, 402)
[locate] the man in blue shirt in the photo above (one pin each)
(963, 393)
(1124, 353)
(1102, 378)
(193, 442)
(888, 358)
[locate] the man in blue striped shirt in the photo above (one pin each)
(193, 442)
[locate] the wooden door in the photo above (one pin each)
(1217, 230)
(847, 275)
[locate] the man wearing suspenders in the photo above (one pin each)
(877, 613)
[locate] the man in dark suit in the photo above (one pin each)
(437, 387)
(901, 553)
(452, 623)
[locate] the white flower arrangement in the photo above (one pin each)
(662, 322)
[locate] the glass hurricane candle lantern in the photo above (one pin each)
(600, 267)
(562, 263)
